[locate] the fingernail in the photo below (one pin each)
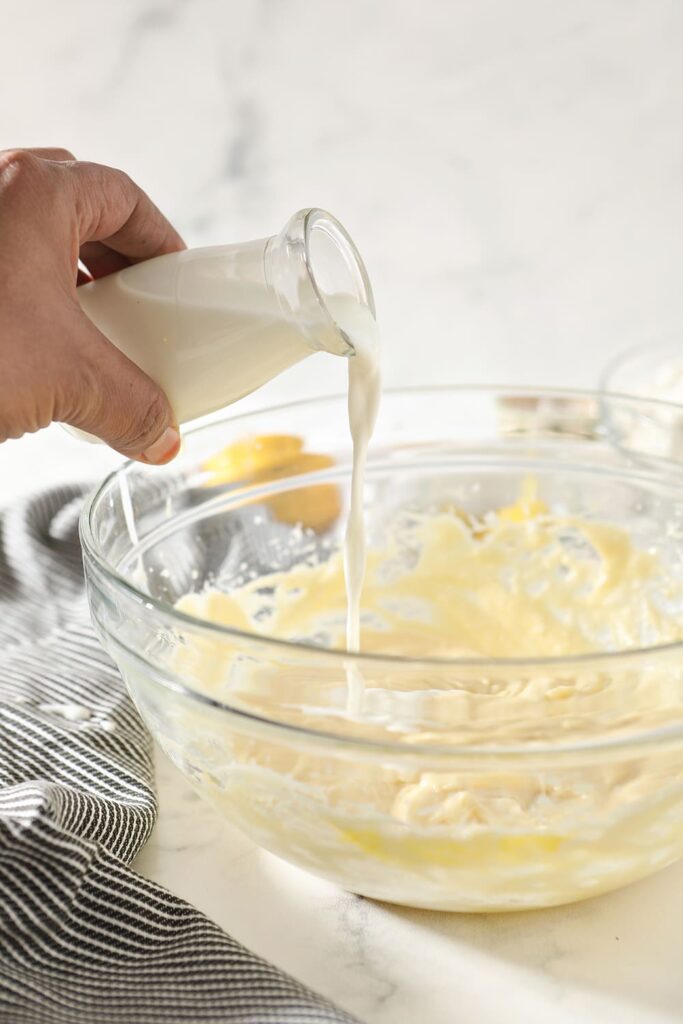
(164, 449)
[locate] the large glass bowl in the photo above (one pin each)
(462, 784)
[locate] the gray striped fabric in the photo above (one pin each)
(83, 938)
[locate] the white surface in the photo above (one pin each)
(512, 175)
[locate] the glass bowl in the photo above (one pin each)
(653, 372)
(647, 371)
(457, 783)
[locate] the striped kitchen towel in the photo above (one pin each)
(83, 938)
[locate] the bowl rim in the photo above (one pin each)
(480, 663)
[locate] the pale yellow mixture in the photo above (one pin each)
(519, 583)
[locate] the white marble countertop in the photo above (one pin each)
(513, 174)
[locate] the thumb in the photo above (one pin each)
(117, 402)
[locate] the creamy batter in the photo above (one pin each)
(520, 585)
(519, 582)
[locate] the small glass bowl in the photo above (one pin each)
(466, 784)
(653, 372)
(647, 371)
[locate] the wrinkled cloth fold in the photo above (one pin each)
(83, 938)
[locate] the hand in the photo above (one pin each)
(54, 363)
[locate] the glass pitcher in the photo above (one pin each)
(211, 325)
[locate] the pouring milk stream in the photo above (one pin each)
(212, 325)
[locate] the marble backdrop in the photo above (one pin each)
(513, 174)
(511, 171)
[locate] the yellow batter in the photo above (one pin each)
(540, 587)
(519, 583)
